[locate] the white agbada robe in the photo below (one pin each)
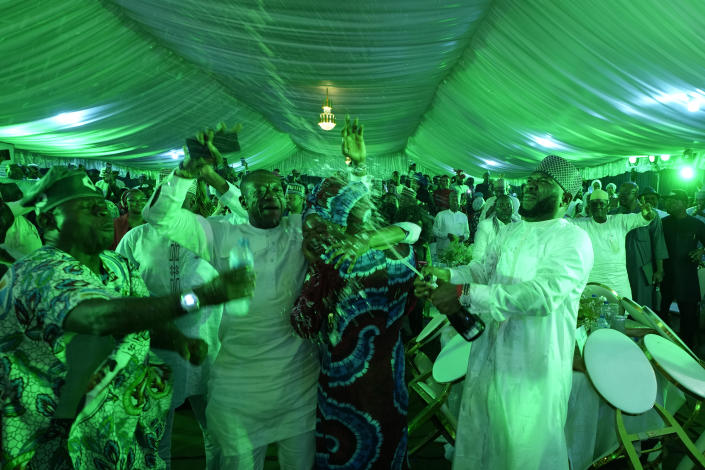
(609, 245)
(167, 268)
(526, 289)
(263, 381)
(449, 222)
(487, 230)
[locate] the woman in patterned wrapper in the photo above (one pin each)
(352, 305)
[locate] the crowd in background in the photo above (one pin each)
(182, 230)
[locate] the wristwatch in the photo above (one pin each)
(189, 302)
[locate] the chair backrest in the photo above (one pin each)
(620, 371)
(424, 365)
(677, 363)
(601, 290)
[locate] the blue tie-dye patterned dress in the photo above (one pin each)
(362, 396)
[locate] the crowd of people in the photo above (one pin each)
(279, 306)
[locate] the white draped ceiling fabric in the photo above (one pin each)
(474, 84)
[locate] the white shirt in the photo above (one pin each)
(489, 203)
(515, 399)
(263, 382)
(449, 222)
(167, 268)
(487, 230)
(608, 243)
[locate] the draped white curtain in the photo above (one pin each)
(474, 84)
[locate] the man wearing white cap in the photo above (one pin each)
(608, 234)
(500, 188)
(295, 194)
(526, 289)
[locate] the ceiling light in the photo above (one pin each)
(665, 158)
(327, 118)
(632, 159)
(652, 158)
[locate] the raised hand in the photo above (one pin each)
(206, 137)
(350, 248)
(353, 144)
(647, 211)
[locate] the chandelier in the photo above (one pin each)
(327, 118)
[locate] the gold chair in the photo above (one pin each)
(436, 411)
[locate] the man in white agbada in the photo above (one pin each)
(608, 235)
(500, 188)
(526, 289)
(262, 388)
(450, 224)
(167, 268)
(488, 229)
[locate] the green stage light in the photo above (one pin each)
(687, 173)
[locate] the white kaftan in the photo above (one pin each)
(609, 245)
(167, 268)
(526, 289)
(263, 381)
(449, 222)
(487, 230)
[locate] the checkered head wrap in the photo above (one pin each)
(563, 172)
(335, 198)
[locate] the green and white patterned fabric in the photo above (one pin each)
(121, 422)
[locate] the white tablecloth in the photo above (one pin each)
(591, 429)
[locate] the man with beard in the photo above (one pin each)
(680, 281)
(608, 233)
(526, 289)
(85, 391)
(645, 249)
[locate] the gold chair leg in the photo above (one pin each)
(693, 452)
(627, 441)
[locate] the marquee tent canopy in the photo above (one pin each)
(472, 84)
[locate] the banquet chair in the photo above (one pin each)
(629, 386)
(601, 290)
(435, 411)
(430, 333)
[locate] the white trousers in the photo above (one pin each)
(295, 453)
